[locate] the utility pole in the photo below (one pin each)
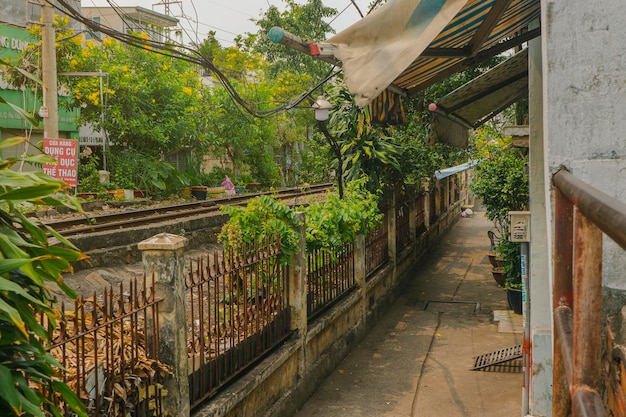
(50, 109)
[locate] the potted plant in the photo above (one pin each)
(501, 182)
(510, 253)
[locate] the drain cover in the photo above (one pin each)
(445, 306)
(497, 357)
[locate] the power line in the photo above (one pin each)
(187, 54)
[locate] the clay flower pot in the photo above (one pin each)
(499, 276)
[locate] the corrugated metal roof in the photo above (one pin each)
(482, 29)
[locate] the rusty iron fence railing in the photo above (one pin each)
(402, 213)
(108, 346)
(420, 213)
(238, 311)
(377, 247)
(330, 275)
(582, 215)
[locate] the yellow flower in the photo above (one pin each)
(153, 114)
(187, 91)
(153, 101)
(73, 63)
(108, 41)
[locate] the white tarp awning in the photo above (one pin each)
(379, 47)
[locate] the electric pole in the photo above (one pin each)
(50, 109)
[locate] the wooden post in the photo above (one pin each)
(163, 258)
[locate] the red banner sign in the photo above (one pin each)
(65, 151)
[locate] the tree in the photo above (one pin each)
(289, 74)
(304, 20)
(151, 101)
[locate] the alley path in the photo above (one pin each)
(416, 362)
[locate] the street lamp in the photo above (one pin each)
(322, 107)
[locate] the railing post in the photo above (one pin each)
(163, 258)
(587, 343)
(563, 249)
(298, 291)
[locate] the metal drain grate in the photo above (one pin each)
(497, 357)
(453, 304)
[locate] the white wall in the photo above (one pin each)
(584, 61)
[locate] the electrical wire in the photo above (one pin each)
(187, 54)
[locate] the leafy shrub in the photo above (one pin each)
(28, 264)
(264, 217)
(501, 183)
(330, 225)
(337, 221)
(88, 175)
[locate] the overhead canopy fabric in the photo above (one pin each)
(395, 45)
(376, 49)
(479, 100)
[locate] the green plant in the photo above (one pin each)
(28, 264)
(502, 184)
(133, 169)
(511, 255)
(264, 217)
(88, 175)
(335, 222)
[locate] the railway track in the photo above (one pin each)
(140, 217)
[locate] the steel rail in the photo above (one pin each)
(85, 225)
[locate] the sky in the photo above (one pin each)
(229, 18)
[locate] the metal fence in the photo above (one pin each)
(420, 213)
(403, 229)
(237, 312)
(582, 215)
(377, 247)
(108, 347)
(330, 275)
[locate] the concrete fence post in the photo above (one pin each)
(360, 274)
(391, 231)
(163, 257)
(427, 199)
(413, 217)
(298, 291)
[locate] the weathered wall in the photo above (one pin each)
(585, 101)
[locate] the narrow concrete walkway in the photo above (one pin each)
(416, 362)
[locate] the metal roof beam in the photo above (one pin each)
(490, 22)
(481, 56)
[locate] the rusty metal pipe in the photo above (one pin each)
(562, 295)
(587, 305)
(563, 329)
(586, 402)
(608, 213)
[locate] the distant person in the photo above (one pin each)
(228, 185)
